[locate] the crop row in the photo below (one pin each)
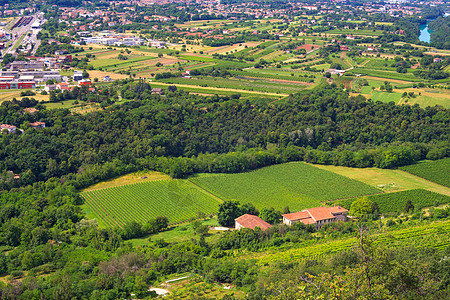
(177, 200)
(437, 171)
(297, 185)
(255, 73)
(436, 235)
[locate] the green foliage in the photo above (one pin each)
(270, 215)
(361, 207)
(396, 202)
(228, 211)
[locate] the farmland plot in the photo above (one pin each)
(178, 200)
(437, 171)
(296, 185)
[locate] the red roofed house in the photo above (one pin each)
(37, 125)
(62, 86)
(251, 222)
(30, 110)
(317, 215)
(10, 128)
(84, 82)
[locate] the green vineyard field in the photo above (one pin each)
(178, 200)
(437, 171)
(395, 202)
(297, 185)
(434, 235)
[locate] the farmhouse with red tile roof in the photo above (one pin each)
(317, 215)
(251, 222)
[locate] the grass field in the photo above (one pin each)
(387, 180)
(437, 171)
(180, 233)
(386, 97)
(355, 32)
(428, 97)
(297, 185)
(178, 200)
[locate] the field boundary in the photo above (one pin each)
(206, 191)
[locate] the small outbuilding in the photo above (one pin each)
(158, 91)
(251, 222)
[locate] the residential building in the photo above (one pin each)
(84, 82)
(251, 222)
(158, 91)
(335, 72)
(30, 110)
(77, 75)
(50, 87)
(10, 128)
(158, 44)
(318, 216)
(62, 86)
(37, 125)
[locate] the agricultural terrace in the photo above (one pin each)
(437, 171)
(178, 200)
(297, 185)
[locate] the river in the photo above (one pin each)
(425, 33)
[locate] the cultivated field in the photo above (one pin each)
(437, 171)
(436, 235)
(178, 200)
(388, 180)
(297, 185)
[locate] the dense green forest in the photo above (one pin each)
(440, 37)
(322, 126)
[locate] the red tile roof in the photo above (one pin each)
(7, 126)
(30, 110)
(35, 124)
(251, 221)
(312, 215)
(297, 215)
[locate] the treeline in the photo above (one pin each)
(234, 162)
(440, 37)
(182, 134)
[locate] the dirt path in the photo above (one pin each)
(201, 189)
